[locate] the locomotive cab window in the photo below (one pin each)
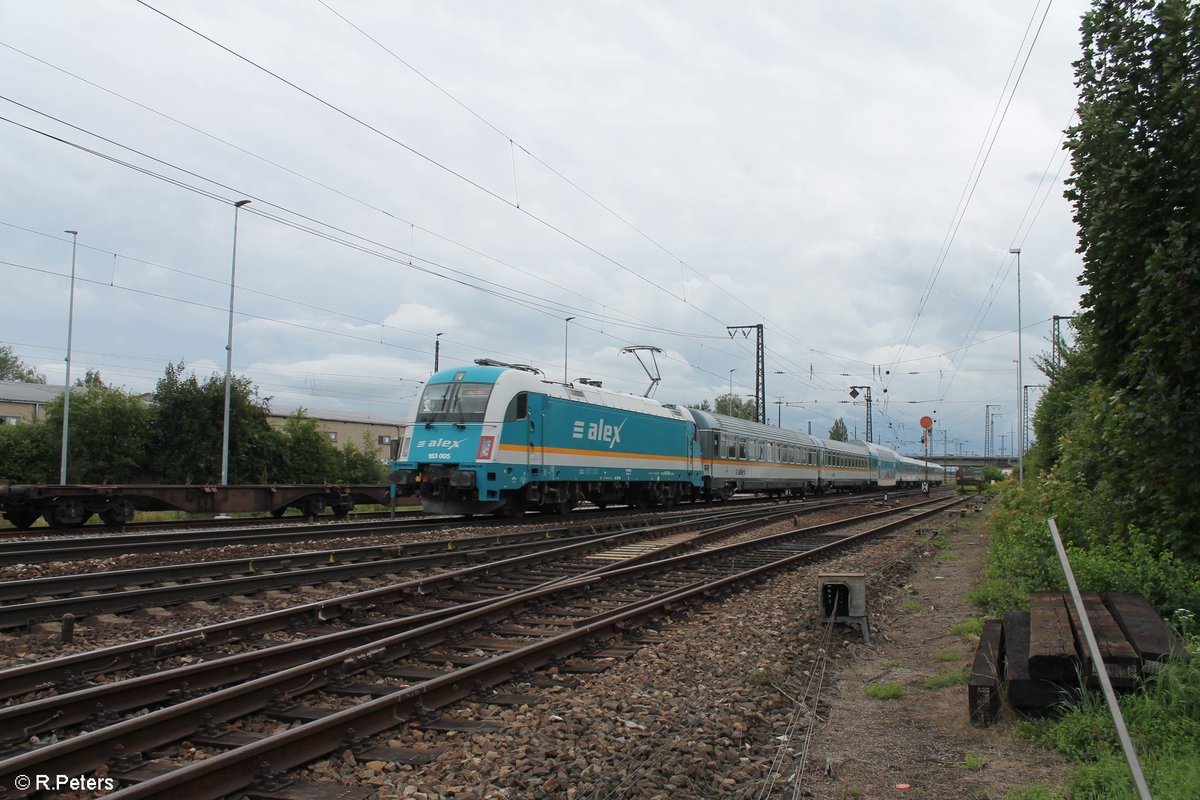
(454, 402)
(518, 407)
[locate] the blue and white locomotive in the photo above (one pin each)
(499, 438)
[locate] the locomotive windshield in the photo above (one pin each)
(454, 402)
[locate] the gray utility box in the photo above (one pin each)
(843, 598)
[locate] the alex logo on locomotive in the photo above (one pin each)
(448, 444)
(599, 432)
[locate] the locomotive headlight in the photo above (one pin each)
(462, 479)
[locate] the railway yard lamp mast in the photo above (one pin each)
(566, 333)
(62, 472)
(229, 349)
(437, 351)
(1021, 453)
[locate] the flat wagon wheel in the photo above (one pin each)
(69, 513)
(118, 512)
(22, 518)
(312, 506)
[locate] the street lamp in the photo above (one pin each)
(1021, 453)
(566, 334)
(729, 402)
(229, 349)
(62, 472)
(437, 349)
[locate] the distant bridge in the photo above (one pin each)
(1001, 462)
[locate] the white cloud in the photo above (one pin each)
(805, 162)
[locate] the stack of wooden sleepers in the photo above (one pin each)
(1038, 657)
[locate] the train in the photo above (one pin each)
(497, 438)
(71, 506)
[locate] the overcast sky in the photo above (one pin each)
(850, 175)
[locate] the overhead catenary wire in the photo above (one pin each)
(991, 135)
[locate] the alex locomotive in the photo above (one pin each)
(498, 438)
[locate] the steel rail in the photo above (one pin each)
(254, 580)
(84, 750)
(235, 769)
(70, 671)
(59, 548)
(76, 706)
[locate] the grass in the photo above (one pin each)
(956, 678)
(948, 655)
(1164, 721)
(973, 763)
(913, 605)
(971, 629)
(884, 691)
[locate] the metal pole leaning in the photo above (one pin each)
(1110, 697)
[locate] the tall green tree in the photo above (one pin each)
(310, 456)
(28, 453)
(838, 431)
(186, 437)
(108, 434)
(361, 464)
(13, 369)
(1136, 193)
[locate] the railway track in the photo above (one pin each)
(434, 589)
(24, 602)
(58, 547)
(503, 625)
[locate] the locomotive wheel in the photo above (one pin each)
(22, 518)
(565, 507)
(516, 506)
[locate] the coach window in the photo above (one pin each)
(742, 449)
(518, 407)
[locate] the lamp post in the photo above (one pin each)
(62, 472)
(229, 349)
(437, 350)
(729, 402)
(1021, 453)
(566, 334)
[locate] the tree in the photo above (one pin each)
(28, 454)
(310, 456)
(12, 368)
(1136, 169)
(361, 464)
(731, 406)
(185, 441)
(838, 432)
(108, 435)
